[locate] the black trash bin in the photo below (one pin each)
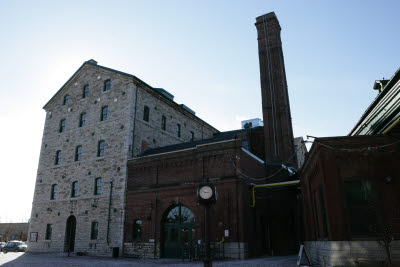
(115, 252)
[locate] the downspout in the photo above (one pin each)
(134, 123)
(109, 214)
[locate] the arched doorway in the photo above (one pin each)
(178, 231)
(69, 242)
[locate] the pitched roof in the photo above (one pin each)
(136, 79)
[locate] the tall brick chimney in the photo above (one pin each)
(278, 130)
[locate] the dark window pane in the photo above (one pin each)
(78, 153)
(163, 123)
(66, 98)
(361, 205)
(58, 157)
(107, 85)
(48, 231)
(82, 120)
(62, 126)
(104, 113)
(97, 186)
(192, 136)
(94, 231)
(146, 113)
(74, 190)
(85, 91)
(53, 191)
(178, 130)
(100, 149)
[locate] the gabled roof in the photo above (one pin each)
(381, 98)
(138, 81)
(94, 63)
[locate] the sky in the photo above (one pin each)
(203, 52)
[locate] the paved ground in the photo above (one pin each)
(59, 260)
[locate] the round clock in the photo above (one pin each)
(206, 192)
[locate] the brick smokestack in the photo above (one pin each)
(278, 130)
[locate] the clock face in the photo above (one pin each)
(206, 192)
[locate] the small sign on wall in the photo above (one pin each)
(226, 234)
(151, 240)
(33, 237)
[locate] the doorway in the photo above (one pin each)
(70, 230)
(178, 232)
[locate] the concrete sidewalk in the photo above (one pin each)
(50, 260)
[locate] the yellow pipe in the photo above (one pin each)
(253, 190)
(392, 126)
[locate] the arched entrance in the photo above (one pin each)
(69, 242)
(178, 231)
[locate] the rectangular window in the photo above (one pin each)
(66, 98)
(191, 136)
(62, 126)
(178, 130)
(100, 149)
(97, 186)
(48, 231)
(146, 113)
(74, 189)
(164, 123)
(361, 205)
(53, 191)
(94, 231)
(78, 153)
(107, 85)
(85, 93)
(104, 113)
(58, 157)
(82, 120)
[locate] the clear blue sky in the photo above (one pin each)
(203, 52)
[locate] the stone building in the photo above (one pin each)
(97, 121)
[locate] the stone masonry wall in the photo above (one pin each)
(117, 132)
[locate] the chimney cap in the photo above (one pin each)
(270, 15)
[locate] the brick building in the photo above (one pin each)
(163, 218)
(97, 121)
(350, 187)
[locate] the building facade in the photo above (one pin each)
(94, 123)
(350, 187)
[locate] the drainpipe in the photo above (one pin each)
(109, 214)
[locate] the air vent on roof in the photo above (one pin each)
(165, 93)
(188, 109)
